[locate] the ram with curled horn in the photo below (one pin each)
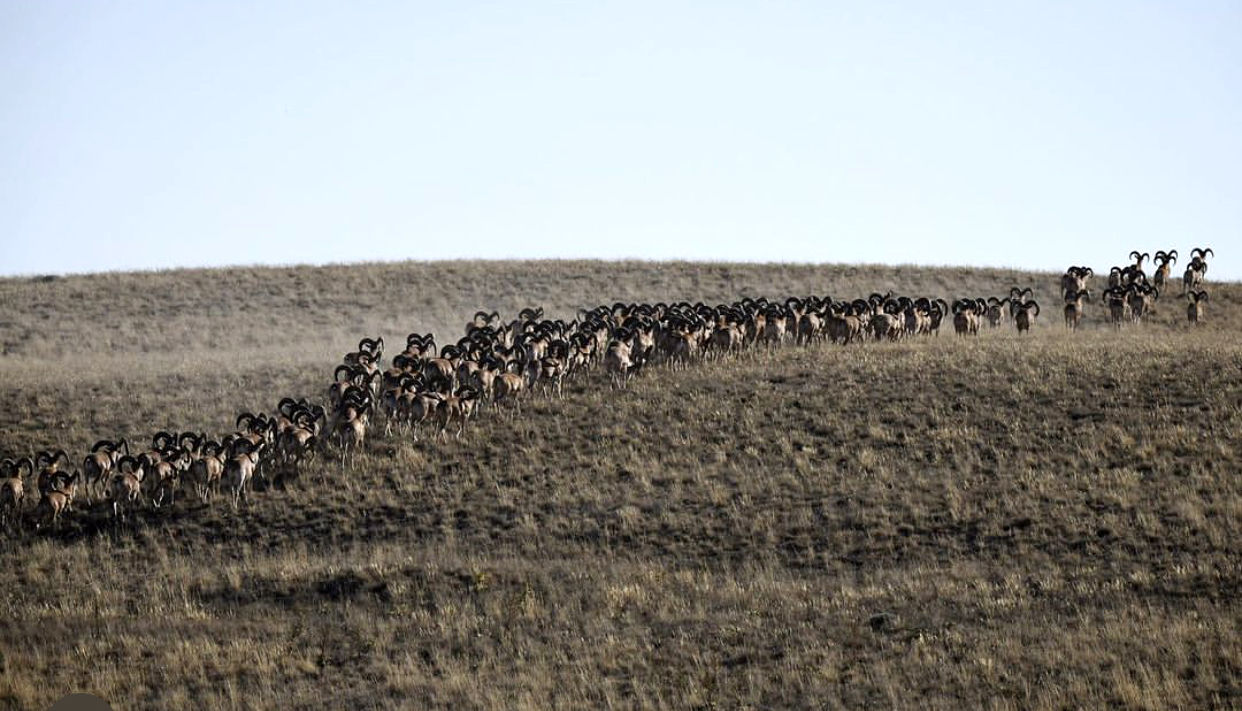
(342, 378)
(354, 378)
(98, 465)
(912, 314)
(350, 421)
(937, 311)
(1024, 315)
(457, 408)
(727, 337)
(849, 321)
(286, 410)
(1118, 307)
(887, 322)
(810, 326)
(966, 316)
(1074, 308)
(1163, 260)
(1141, 299)
(13, 488)
(297, 443)
(1195, 308)
(1075, 279)
(483, 319)
(161, 442)
(368, 355)
(206, 472)
(441, 372)
(1019, 294)
(1197, 269)
(998, 311)
(192, 442)
(618, 358)
(418, 345)
(47, 464)
(417, 405)
(54, 503)
(1116, 278)
(166, 476)
(240, 467)
(125, 488)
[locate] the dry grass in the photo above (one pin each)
(1044, 522)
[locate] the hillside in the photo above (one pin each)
(1041, 521)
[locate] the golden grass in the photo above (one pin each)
(1001, 522)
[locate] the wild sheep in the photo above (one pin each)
(12, 488)
(1136, 269)
(1075, 279)
(125, 489)
(1163, 260)
(1194, 309)
(456, 408)
(1025, 315)
(55, 502)
(1197, 269)
(99, 463)
(240, 468)
(1118, 308)
(1074, 307)
(966, 315)
(206, 471)
(1141, 300)
(617, 360)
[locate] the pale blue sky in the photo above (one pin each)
(160, 134)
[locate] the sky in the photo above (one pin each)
(149, 135)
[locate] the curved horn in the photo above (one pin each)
(195, 440)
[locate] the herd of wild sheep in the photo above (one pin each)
(497, 363)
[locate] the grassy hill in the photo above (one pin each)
(1043, 521)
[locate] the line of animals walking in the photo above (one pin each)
(497, 364)
(1130, 295)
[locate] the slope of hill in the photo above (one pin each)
(1036, 522)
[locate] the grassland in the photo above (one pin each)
(1003, 522)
